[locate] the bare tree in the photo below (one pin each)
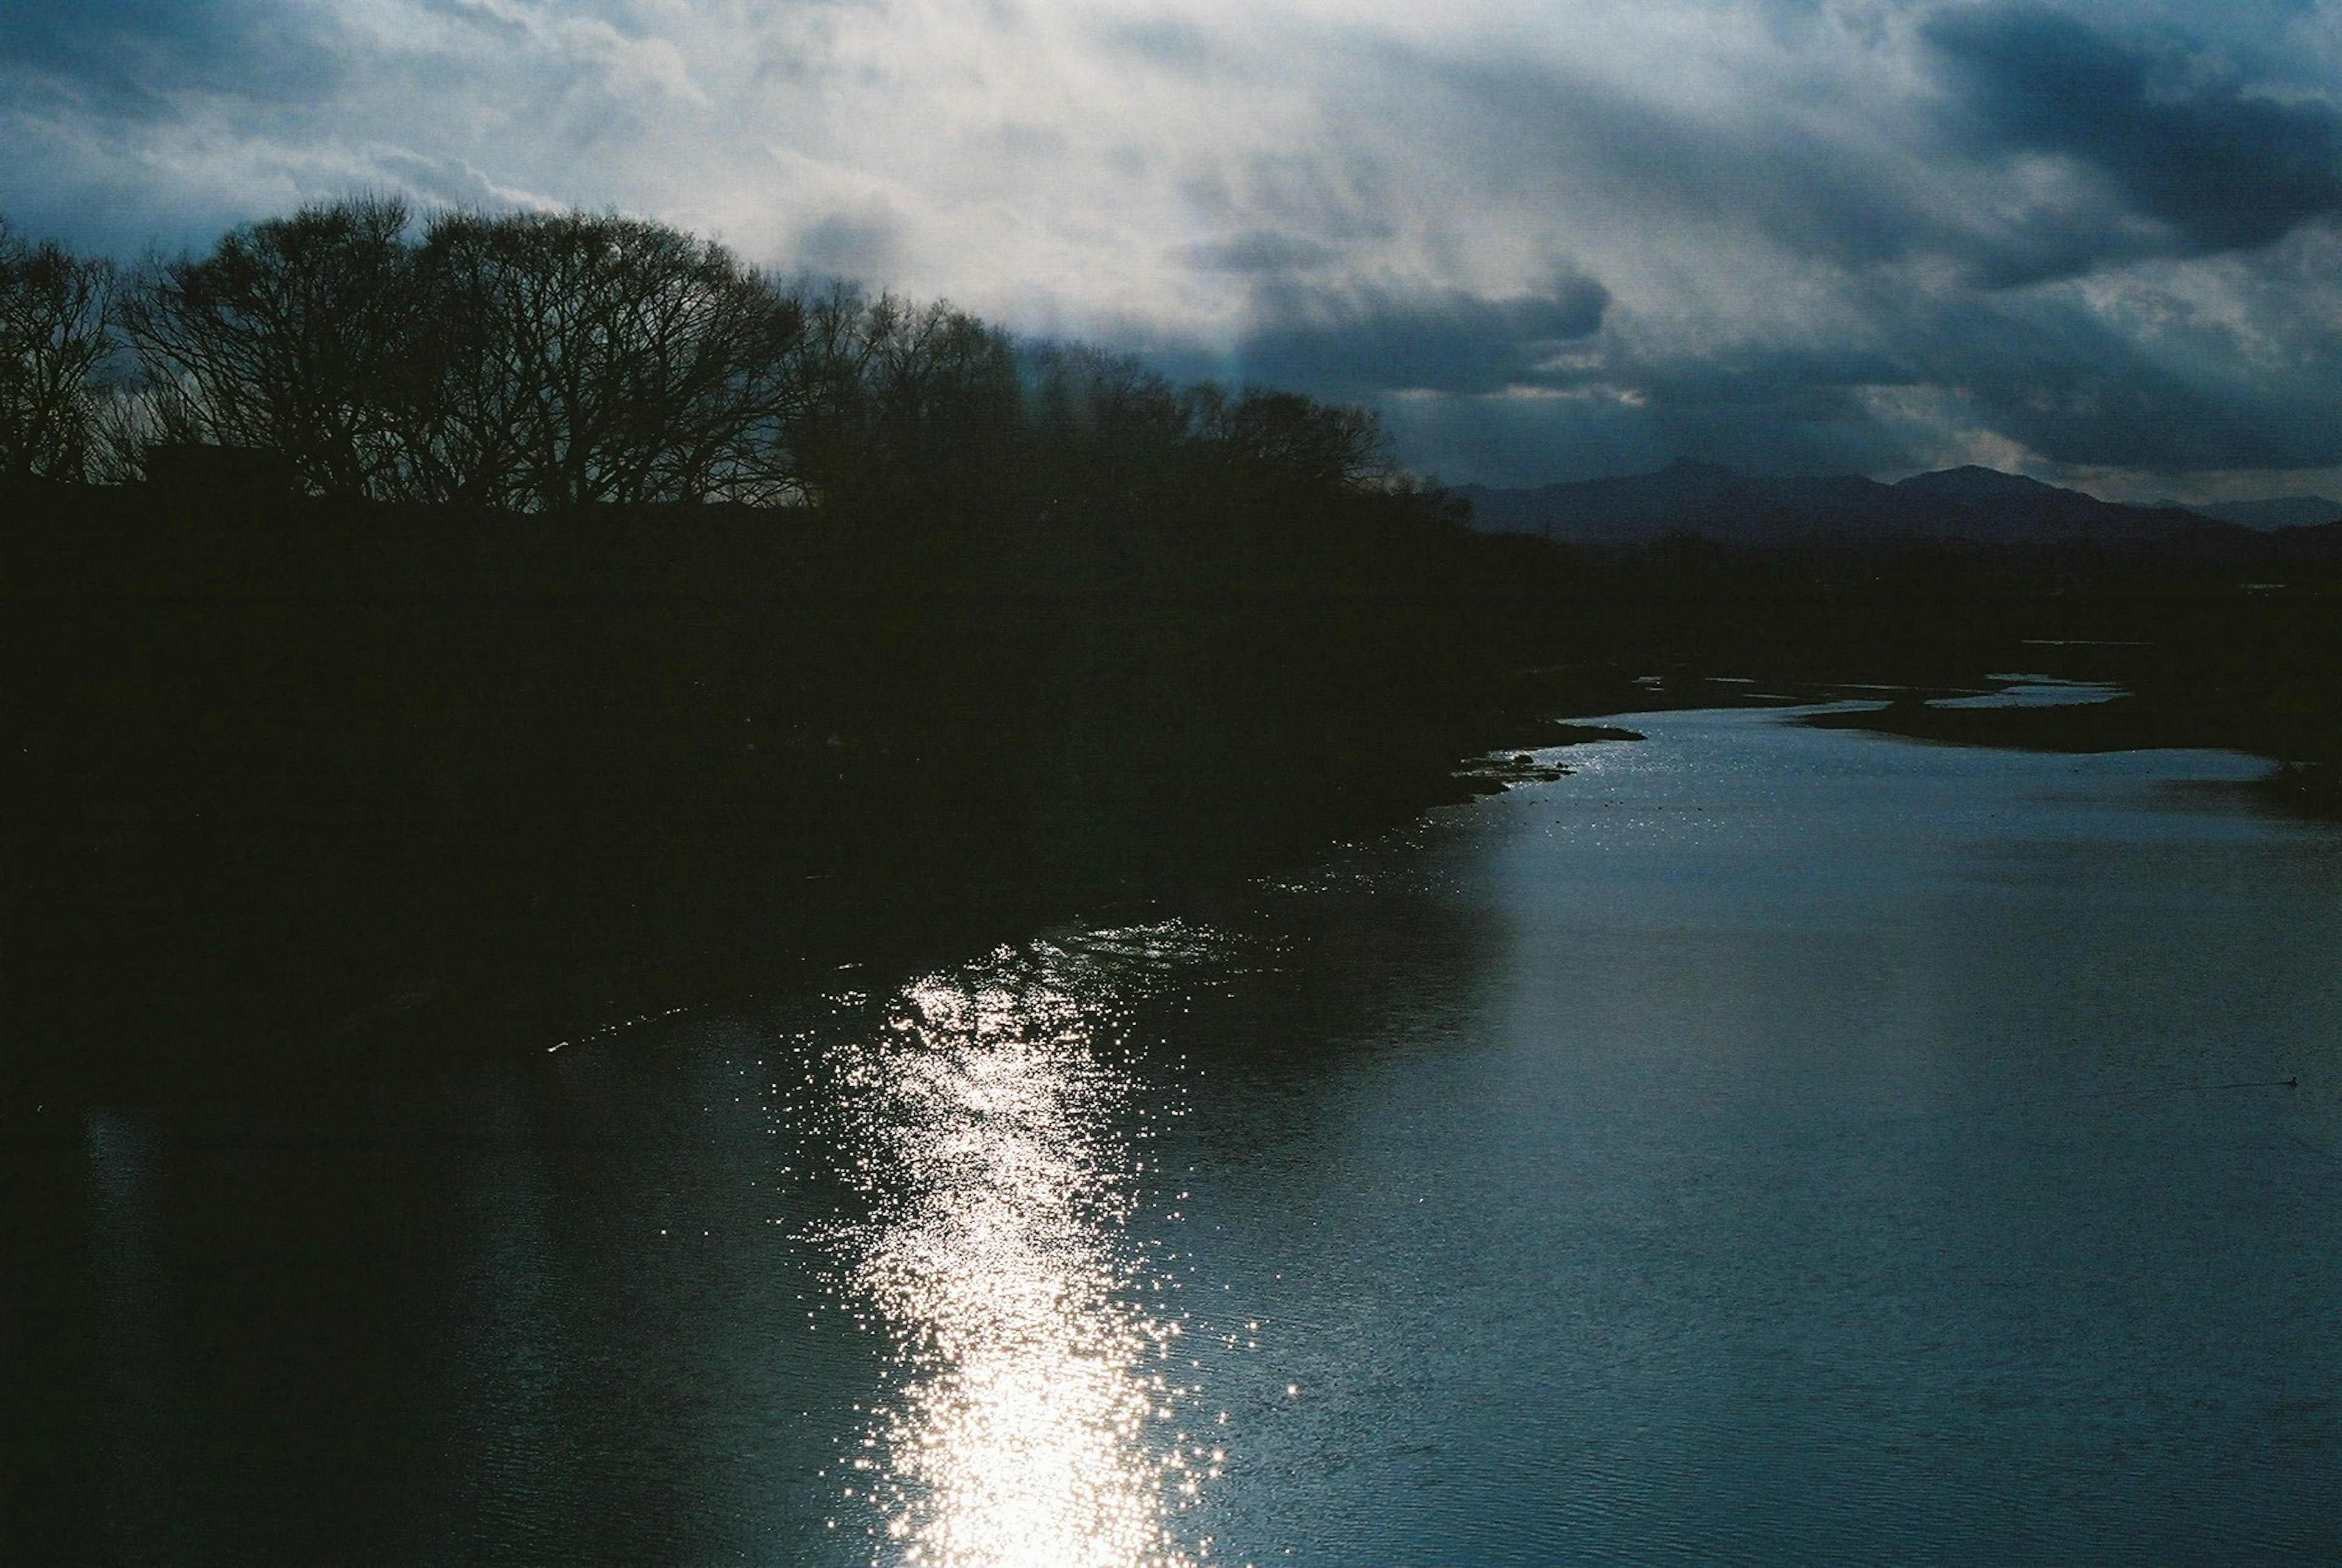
(948, 399)
(579, 358)
(55, 320)
(829, 439)
(899, 399)
(554, 362)
(1102, 429)
(529, 361)
(1095, 395)
(1291, 442)
(289, 338)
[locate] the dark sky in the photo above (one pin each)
(2097, 242)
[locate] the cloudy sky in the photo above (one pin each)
(1551, 239)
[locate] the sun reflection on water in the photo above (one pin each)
(1039, 1422)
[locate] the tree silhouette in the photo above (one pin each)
(578, 359)
(530, 361)
(554, 362)
(55, 320)
(900, 401)
(1294, 443)
(1109, 432)
(288, 338)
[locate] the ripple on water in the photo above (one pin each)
(984, 1117)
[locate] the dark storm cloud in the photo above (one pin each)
(1808, 184)
(854, 245)
(2045, 376)
(1939, 280)
(2184, 142)
(134, 54)
(2053, 375)
(2041, 372)
(1829, 234)
(1760, 412)
(1450, 341)
(2183, 155)
(1824, 188)
(162, 122)
(1259, 251)
(1622, 410)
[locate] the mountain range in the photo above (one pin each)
(1970, 504)
(2276, 512)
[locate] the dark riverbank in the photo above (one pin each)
(2242, 654)
(550, 616)
(2125, 723)
(292, 778)
(294, 783)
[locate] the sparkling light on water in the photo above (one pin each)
(1039, 1422)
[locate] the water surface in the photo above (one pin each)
(1762, 1145)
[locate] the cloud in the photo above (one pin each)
(433, 182)
(1546, 240)
(1369, 341)
(1261, 250)
(135, 55)
(2181, 141)
(1170, 42)
(1626, 401)
(856, 245)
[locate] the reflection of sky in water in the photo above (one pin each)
(1762, 1144)
(1043, 1417)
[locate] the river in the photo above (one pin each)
(1762, 1145)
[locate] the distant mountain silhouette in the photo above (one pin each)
(1976, 506)
(2276, 512)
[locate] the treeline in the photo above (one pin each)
(395, 602)
(536, 362)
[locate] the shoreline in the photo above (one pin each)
(312, 791)
(334, 1038)
(2129, 722)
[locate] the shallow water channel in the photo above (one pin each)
(1764, 1145)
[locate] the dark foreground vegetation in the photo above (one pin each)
(399, 613)
(406, 621)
